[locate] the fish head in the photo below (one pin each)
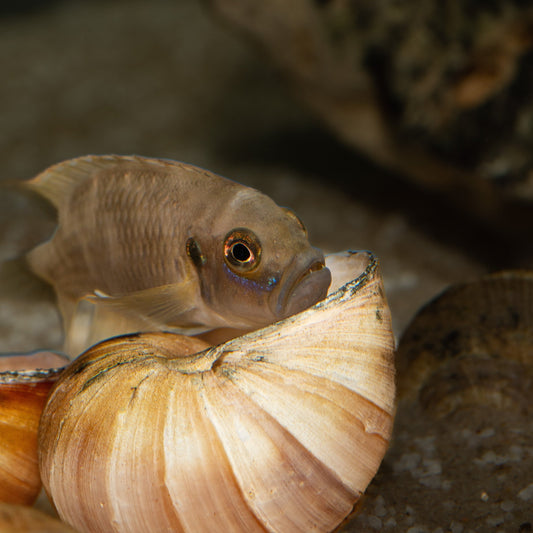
(263, 268)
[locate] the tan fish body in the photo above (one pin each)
(147, 244)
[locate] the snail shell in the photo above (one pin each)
(278, 430)
(23, 394)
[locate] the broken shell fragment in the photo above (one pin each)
(279, 430)
(23, 394)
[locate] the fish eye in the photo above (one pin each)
(242, 250)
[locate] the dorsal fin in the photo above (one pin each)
(57, 182)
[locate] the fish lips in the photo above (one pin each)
(307, 284)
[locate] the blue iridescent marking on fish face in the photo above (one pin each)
(272, 281)
(251, 284)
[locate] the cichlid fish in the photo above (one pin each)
(157, 244)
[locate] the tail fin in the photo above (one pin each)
(29, 318)
(26, 219)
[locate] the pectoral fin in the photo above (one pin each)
(163, 305)
(92, 323)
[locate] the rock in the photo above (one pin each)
(438, 92)
(462, 451)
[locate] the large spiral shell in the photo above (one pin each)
(277, 430)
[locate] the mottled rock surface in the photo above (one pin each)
(462, 453)
(440, 92)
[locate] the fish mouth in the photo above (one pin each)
(309, 285)
(315, 267)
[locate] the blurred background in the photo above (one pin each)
(405, 128)
(332, 108)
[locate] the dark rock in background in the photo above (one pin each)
(438, 92)
(462, 454)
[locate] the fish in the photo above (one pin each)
(154, 244)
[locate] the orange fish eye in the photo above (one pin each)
(242, 250)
